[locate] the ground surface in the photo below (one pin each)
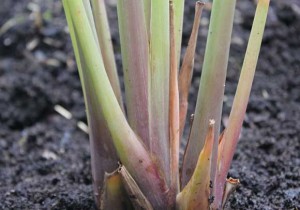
(45, 162)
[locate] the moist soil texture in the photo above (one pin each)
(44, 156)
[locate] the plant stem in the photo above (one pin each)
(104, 39)
(130, 149)
(174, 111)
(211, 90)
(135, 57)
(159, 83)
(238, 110)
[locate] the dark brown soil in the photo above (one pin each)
(45, 161)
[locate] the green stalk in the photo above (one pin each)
(147, 13)
(104, 39)
(102, 158)
(173, 111)
(159, 83)
(238, 110)
(135, 49)
(89, 13)
(211, 90)
(178, 21)
(130, 150)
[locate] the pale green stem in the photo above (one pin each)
(159, 83)
(104, 39)
(103, 158)
(147, 13)
(238, 110)
(178, 20)
(211, 90)
(89, 13)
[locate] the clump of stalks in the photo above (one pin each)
(135, 145)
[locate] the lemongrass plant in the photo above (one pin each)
(135, 145)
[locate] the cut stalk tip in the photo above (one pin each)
(200, 3)
(230, 187)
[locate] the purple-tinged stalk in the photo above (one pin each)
(231, 134)
(103, 154)
(135, 49)
(147, 145)
(130, 149)
(186, 71)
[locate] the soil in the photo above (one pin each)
(45, 161)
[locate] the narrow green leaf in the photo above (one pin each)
(238, 110)
(130, 149)
(104, 39)
(186, 71)
(195, 195)
(135, 49)
(211, 90)
(159, 83)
